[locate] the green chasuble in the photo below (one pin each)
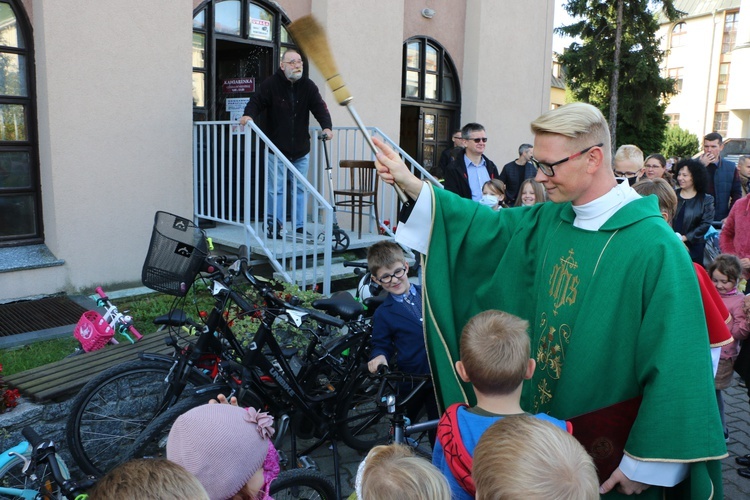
(614, 314)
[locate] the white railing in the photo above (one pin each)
(231, 181)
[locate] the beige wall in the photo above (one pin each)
(114, 117)
(507, 61)
(447, 26)
(368, 55)
(700, 58)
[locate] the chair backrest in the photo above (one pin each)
(362, 176)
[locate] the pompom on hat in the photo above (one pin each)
(222, 445)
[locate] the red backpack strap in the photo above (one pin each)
(457, 457)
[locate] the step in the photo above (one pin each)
(232, 236)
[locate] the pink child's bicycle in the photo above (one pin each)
(94, 330)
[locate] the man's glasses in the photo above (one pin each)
(477, 140)
(548, 168)
(295, 62)
(457, 138)
(627, 175)
(387, 278)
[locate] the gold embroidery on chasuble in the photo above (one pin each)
(555, 335)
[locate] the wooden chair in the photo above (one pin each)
(361, 190)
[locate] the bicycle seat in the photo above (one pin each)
(340, 304)
(175, 317)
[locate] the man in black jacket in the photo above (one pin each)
(517, 171)
(466, 175)
(288, 97)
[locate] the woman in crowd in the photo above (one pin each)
(531, 193)
(656, 168)
(695, 208)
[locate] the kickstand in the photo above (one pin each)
(337, 473)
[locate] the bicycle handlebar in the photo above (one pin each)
(123, 322)
(240, 266)
(31, 436)
(388, 377)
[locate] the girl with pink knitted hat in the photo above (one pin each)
(228, 449)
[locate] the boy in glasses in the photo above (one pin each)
(397, 333)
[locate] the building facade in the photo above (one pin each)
(708, 55)
(97, 101)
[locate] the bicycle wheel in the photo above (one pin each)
(12, 476)
(302, 484)
(361, 421)
(152, 441)
(115, 406)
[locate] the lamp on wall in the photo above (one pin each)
(428, 13)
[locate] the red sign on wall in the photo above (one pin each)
(236, 85)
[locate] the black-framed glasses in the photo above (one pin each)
(627, 175)
(548, 168)
(387, 278)
(477, 139)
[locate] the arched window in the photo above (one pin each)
(20, 198)
(678, 35)
(428, 73)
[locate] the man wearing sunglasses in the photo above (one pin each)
(617, 324)
(466, 175)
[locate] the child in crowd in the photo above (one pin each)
(493, 194)
(531, 193)
(628, 163)
(393, 472)
(725, 272)
(145, 479)
(495, 358)
(397, 323)
(227, 448)
(525, 457)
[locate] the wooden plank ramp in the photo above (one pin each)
(57, 380)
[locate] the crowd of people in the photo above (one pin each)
(578, 347)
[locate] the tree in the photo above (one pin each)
(679, 142)
(616, 67)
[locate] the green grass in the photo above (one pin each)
(143, 309)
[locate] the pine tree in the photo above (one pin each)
(616, 66)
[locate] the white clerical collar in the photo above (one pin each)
(594, 214)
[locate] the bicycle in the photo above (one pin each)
(401, 429)
(33, 469)
(94, 331)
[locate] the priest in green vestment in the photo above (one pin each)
(617, 323)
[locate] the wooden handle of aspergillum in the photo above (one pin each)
(400, 192)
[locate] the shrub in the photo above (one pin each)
(8, 397)
(679, 142)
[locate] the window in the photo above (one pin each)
(721, 120)
(678, 35)
(20, 198)
(674, 119)
(730, 32)
(676, 75)
(723, 83)
(261, 23)
(428, 73)
(556, 69)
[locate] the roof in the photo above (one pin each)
(698, 8)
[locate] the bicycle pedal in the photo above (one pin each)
(306, 462)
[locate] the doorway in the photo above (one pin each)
(426, 132)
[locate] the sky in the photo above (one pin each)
(561, 18)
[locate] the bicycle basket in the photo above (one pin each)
(175, 255)
(92, 331)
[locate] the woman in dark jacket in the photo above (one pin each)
(695, 208)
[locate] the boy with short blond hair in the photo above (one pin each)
(495, 359)
(525, 457)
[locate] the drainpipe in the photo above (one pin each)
(710, 67)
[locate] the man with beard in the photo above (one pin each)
(517, 171)
(288, 97)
